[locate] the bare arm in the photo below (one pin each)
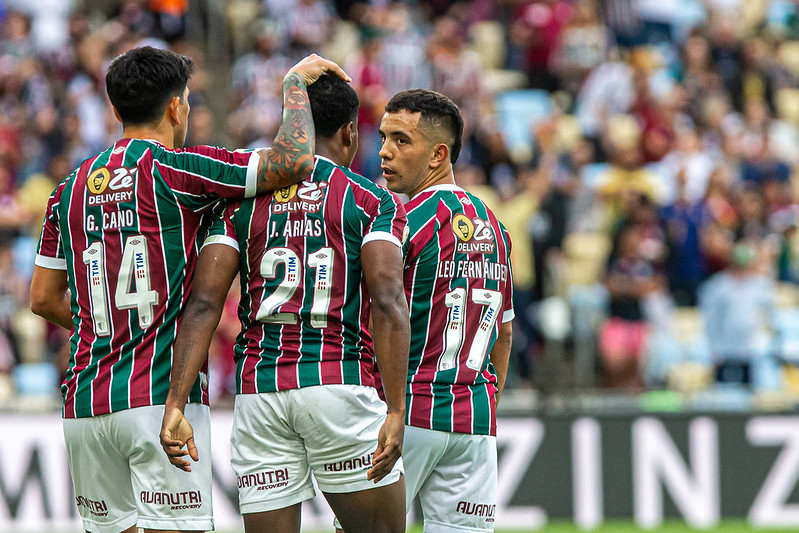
(290, 159)
(217, 265)
(500, 354)
(382, 268)
(50, 296)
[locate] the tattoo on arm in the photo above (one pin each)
(291, 156)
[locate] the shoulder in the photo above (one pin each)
(343, 176)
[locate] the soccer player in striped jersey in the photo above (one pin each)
(310, 259)
(458, 285)
(114, 263)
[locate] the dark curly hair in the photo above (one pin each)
(141, 82)
(438, 112)
(333, 103)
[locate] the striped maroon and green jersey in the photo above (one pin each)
(127, 226)
(304, 307)
(459, 289)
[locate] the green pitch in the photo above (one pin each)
(727, 526)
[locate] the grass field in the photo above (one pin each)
(727, 526)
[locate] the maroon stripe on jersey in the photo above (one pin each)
(333, 373)
(492, 393)
(334, 203)
(113, 256)
(461, 409)
(76, 219)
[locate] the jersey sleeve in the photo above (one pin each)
(508, 313)
(209, 171)
(387, 220)
(222, 230)
(50, 252)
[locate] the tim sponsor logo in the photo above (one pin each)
(359, 463)
(477, 509)
(95, 507)
(272, 479)
(190, 499)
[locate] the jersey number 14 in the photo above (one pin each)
(133, 284)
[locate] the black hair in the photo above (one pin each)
(141, 82)
(437, 110)
(333, 103)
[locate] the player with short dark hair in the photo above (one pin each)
(310, 259)
(458, 284)
(114, 263)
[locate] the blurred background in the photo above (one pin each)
(642, 153)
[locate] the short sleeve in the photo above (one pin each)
(208, 171)
(222, 230)
(50, 252)
(387, 219)
(507, 296)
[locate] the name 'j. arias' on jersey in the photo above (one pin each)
(127, 226)
(459, 288)
(305, 307)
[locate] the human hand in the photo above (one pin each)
(176, 432)
(312, 67)
(389, 447)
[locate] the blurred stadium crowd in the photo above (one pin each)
(642, 153)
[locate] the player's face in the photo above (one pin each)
(405, 153)
(183, 113)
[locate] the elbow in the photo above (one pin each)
(40, 304)
(200, 307)
(38, 308)
(392, 308)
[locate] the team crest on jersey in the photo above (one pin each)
(111, 185)
(474, 235)
(308, 196)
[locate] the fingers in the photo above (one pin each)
(314, 66)
(192, 450)
(383, 462)
(333, 68)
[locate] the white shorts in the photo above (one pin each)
(122, 476)
(455, 477)
(279, 438)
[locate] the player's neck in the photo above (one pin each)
(437, 176)
(167, 138)
(325, 150)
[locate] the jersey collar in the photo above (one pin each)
(442, 187)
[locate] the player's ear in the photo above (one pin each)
(116, 115)
(347, 133)
(172, 109)
(440, 155)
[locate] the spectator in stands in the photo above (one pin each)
(738, 307)
(631, 277)
(257, 97)
(683, 221)
(583, 44)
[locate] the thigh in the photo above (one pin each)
(421, 451)
(286, 520)
(100, 475)
(268, 456)
(460, 493)
(339, 425)
(167, 498)
(377, 510)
